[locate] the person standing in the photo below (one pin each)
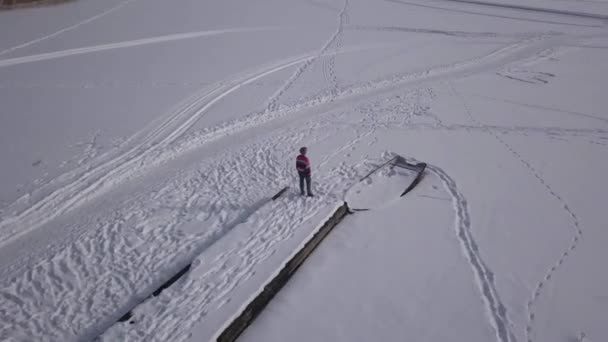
(303, 167)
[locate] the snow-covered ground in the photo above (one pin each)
(139, 136)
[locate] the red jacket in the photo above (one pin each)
(302, 163)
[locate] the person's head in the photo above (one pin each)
(303, 150)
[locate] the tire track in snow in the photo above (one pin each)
(122, 270)
(154, 231)
(275, 223)
(94, 180)
(139, 145)
(241, 125)
(237, 264)
(491, 60)
(69, 28)
(126, 44)
(574, 223)
(483, 274)
(273, 101)
(155, 147)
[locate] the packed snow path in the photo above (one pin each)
(189, 121)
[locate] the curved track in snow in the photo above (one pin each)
(113, 260)
(483, 274)
(68, 28)
(111, 170)
(273, 102)
(574, 223)
(93, 180)
(151, 146)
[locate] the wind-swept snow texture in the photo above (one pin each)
(138, 137)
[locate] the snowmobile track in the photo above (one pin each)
(92, 181)
(97, 179)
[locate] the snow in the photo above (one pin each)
(137, 137)
(382, 280)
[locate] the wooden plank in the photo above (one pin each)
(255, 307)
(280, 193)
(416, 180)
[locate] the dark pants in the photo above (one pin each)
(304, 176)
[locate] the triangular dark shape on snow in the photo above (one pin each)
(384, 184)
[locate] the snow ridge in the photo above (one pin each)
(483, 274)
(578, 232)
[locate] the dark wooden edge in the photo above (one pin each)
(160, 289)
(255, 307)
(416, 180)
(127, 316)
(352, 211)
(379, 167)
(278, 194)
(17, 4)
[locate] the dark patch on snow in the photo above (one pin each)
(172, 280)
(158, 291)
(281, 192)
(15, 4)
(126, 317)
